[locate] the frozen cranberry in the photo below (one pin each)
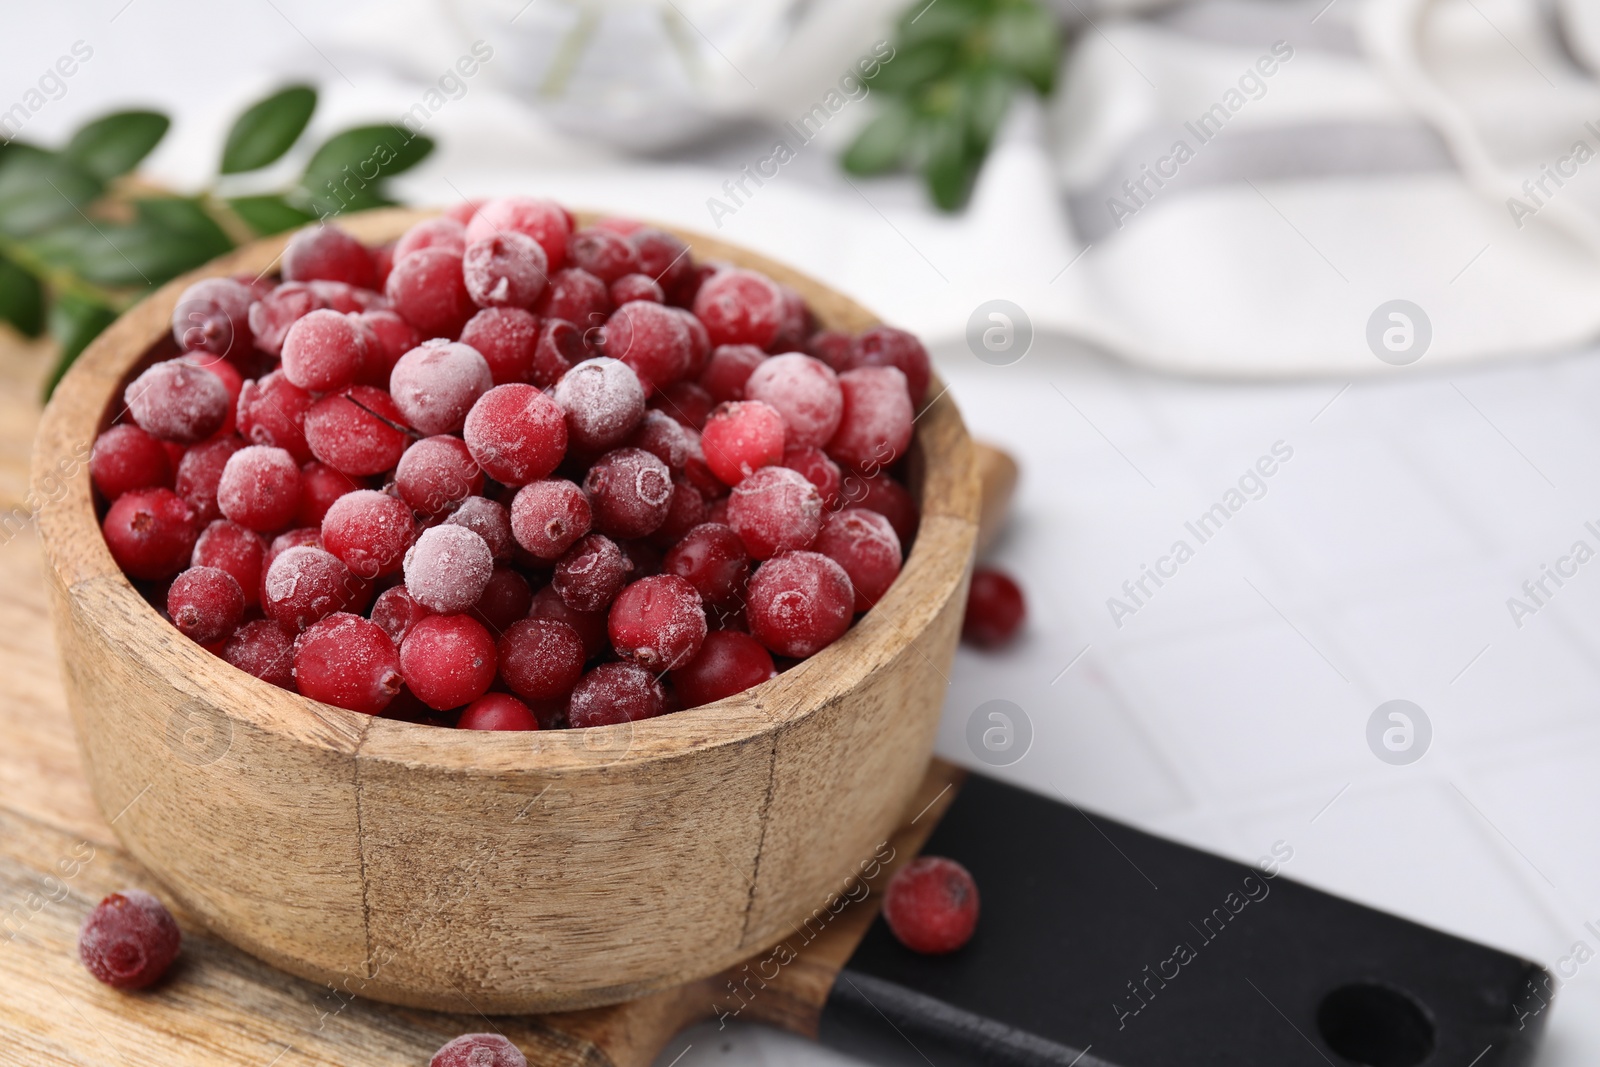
(129, 940)
(866, 546)
(396, 612)
(931, 905)
(685, 402)
(548, 516)
(995, 609)
(151, 533)
(740, 438)
(448, 567)
(304, 584)
(651, 339)
(272, 411)
(464, 211)
(559, 348)
(205, 604)
(127, 458)
(819, 470)
(541, 658)
(327, 252)
(435, 384)
(543, 220)
(505, 270)
(830, 346)
(200, 472)
(428, 291)
(698, 472)
(885, 346)
(662, 256)
(614, 693)
(516, 433)
(591, 573)
(888, 498)
(658, 622)
(272, 315)
(389, 337)
(236, 549)
(630, 492)
(324, 351)
(369, 531)
(260, 488)
(507, 338)
(345, 298)
(728, 662)
(300, 537)
(796, 324)
(320, 486)
(211, 315)
(576, 296)
(347, 661)
(505, 599)
(740, 307)
(686, 510)
(478, 1050)
(177, 401)
(448, 660)
(495, 711)
(699, 342)
(663, 437)
(799, 603)
(728, 369)
(603, 400)
(775, 510)
(804, 391)
(357, 432)
(875, 427)
(590, 626)
(444, 232)
(632, 287)
(262, 649)
(712, 558)
(608, 256)
(437, 473)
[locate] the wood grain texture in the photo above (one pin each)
(482, 871)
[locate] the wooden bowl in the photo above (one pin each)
(493, 872)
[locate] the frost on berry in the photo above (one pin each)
(177, 401)
(447, 569)
(603, 400)
(347, 661)
(129, 940)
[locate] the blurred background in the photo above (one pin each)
(1155, 247)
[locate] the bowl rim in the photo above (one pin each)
(76, 555)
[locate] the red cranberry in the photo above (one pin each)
(448, 660)
(543, 220)
(129, 940)
(211, 315)
(799, 603)
(344, 298)
(357, 432)
(151, 533)
(658, 622)
(495, 711)
(435, 384)
(200, 472)
(505, 270)
(262, 649)
(740, 438)
(713, 560)
(740, 307)
(663, 437)
(320, 486)
(127, 458)
(437, 473)
(347, 661)
(685, 402)
(805, 392)
(995, 609)
(866, 546)
(324, 351)
(272, 315)
(685, 511)
(728, 369)
(396, 612)
(488, 519)
(931, 905)
(728, 663)
(369, 531)
(662, 256)
(177, 401)
(590, 626)
(205, 604)
(541, 658)
(651, 339)
(444, 232)
(576, 296)
(631, 287)
(464, 211)
(389, 338)
(819, 470)
(603, 400)
(478, 1050)
(560, 347)
(591, 573)
(875, 426)
(548, 516)
(614, 693)
(608, 256)
(260, 488)
(775, 510)
(304, 584)
(630, 491)
(448, 568)
(830, 346)
(507, 338)
(272, 411)
(236, 549)
(516, 433)
(885, 346)
(888, 498)
(428, 290)
(505, 599)
(326, 252)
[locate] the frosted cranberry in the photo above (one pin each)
(662, 256)
(608, 256)
(543, 220)
(698, 472)
(799, 603)
(357, 432)
(629, 491)
(435, 384)
(658, 622)
(446, 233)
(686, 510)
(516, 433)
(272, 315)
(127, 458)
(804, 391)
(830, 346)
(369, 531)
(590, 626)
(740, 307)
(212, 315)
(200, 472)
(260, 488)
(205, 604)
(591, 573)
(866, 546)
(437, 473)
(300, 537)
(631, 287)
(448, 568)
(712, 558)
(329, 253)
(224, 372)
(614, 693)
(345, 298)
(819, 470)
(931, 905)
(347, 661)
(699, 342)
(663, 437)
(324, 351)
(559, 348)
(685, 402)
(683, 294)
(728, 662)
(875, 426)
(507, 338)
(505, 599)
(320, 486)
(304, 584)
(740, 438)
(728, 369)
(548, 516)
(478, 1050)
(541, 658)
(389, 337)
(995, 609)
(487, 518)
(464, 211)
(428, 290)
(236, 549)
(885, 346)
(496, 711)
(775, 510)
(177, 401)
(272, 411)
(448, 660)
(396, 612)
(576, 296)
(263, 650)
(888, 498)
(129, 940)
(603, 400)
(651, 339)
(505, 270)
(619, 225)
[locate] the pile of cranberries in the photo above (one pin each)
(508, 473)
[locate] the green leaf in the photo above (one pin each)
(21, 298)
(914, 65)
(269, 214)
(940, 20)
(268, 129)
(987, 96)
(1026, 39)
(74, 322)
(39, 190)
(882, 145)
(181, 215)
(950, 167)
(115, 144)
(347, 172)
(146, 252)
